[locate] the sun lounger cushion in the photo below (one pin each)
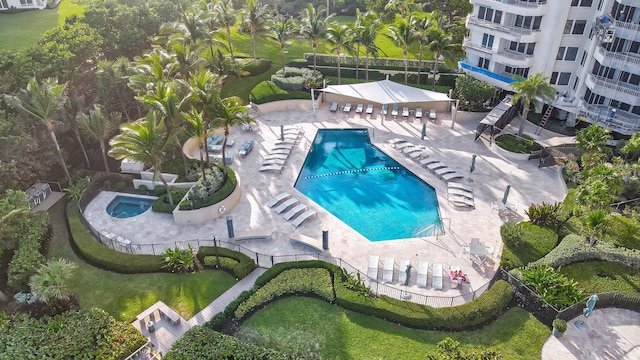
(285, 142)
(283, 146)
(271, 167)
(435, 165)
(372, 270)
(387, 270)
(286, 204)
(451, 176)
(423, 272)
(460, 192)
(427, 161)
(347, 107)
(437, 276)
(404, 145)
(277, 156)
(334, 107)
(445, 170)
(276, 199)
(461, 201)
(460, 186)
(359, 108)
(397, 141)
(294, 210)
(283, 151)
(369, 109)
(302, 217)
(273, 162)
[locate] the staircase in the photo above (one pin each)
(545, 118)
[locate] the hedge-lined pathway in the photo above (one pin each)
(166, 334)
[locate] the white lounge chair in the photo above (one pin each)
(280, 151)
(285, 205)
(394, 110)
(286, 142)
(435, 165)
(423, 273)
(454, 185)
(369, 109)
(107, 234)
(273, 162)
(402, 271)
(451, 176)
(461, 201)
(359, 108)
(437, 276)
(271, 168)
(294, 211)
(302, 217)
(428, 160)
(387, 270)
(411, 149)
(454, 282)
(445, 170)
(384, 109)
(123, 240)
(418, 155)
(404, 145)
(405, 112)
(282, 146)
(277, 156)
(460, 192)
(276, 199)
(372, 270)
(347, 107)
(334, 107)
(418, 113)
(432, 115)
(396, 141)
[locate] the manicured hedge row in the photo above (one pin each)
(486, 307)
(267, 91)
(255, 68)
(242, 268)
(575, 248)
(225, 262)
(293, 281)
(162, 205)
(34, 229)
(104, 257)
(377, 63)
(207, 344)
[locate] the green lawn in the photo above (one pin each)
(525, 243)
(242, 87)
(315, 329)
(16, 36)
(125, 296)
(601, 276)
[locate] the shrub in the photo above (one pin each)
(296, 78)
(120, 186)
(447, 80)
(143, 189)
(204, 343)
(623, 231)
(104, 257)
(300, 63)
(514, 144)
(225, 262)
(179, 260)
(552, 286)
(161, 204)
(25, 262)
(544, 214)
(267, 91)
(560, 325)
(524, 243)
(208, 197)
(244, 266)
(159, 190)
(255, 67)
(293, 281)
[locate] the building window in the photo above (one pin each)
(528, 22)
(567, 53)
(582, 3)
(575, 83)
(483, 63)
(575, 27)
(584, 58)
(487, 41)
(524, 72)
(489, 14)
(26, 2)
(635, 47)
(560, 78)
(522, 48)
(593, 99)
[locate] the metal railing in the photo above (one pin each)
(485, 72)
(529, 300)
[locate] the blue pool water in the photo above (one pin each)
(365, 188)
(123, 206)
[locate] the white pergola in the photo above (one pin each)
(386, 92)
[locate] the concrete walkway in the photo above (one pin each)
(612, 334)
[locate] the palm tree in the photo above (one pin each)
(73, 106)
(144, 141)
(339, 37)
(395, 6)
(256, 16)
(403, 35)
(314, 26)
(100, 127)
(226, 15)
(439, 43)
(229, 112)
(197, 129)
(368, 40)
(281, 31)
(112, 78)
(359, 30)
(190, 28)
(592, 141)
(423, 27)
(188, 60)
(536, 87)
(42, 101)
(49, 283)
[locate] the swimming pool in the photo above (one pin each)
(365, 188)
(123, 206)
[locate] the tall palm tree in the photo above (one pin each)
(339, 37)
(50, 282)
(197, 129)
(281, 31)
(191, 28)
(229, 112)
(440, 45)
(100, 127)
(42, 101)
(256, 17)
(113, 78)
(592, 141)
(536, 87)
(226, 16)
(403, 35)
(313, 26)
(423, 27)
(368, 40)
(398, 6)
(74, 105)
(144, 141)
(359, 29)
(188, 60)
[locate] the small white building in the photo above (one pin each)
(22, 4)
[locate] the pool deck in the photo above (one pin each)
(455, 147)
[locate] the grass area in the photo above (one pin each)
(242, 87)
(315, 329)
(17, 36)
(602, 276)
(525, 243)
(512, 143)
(125, 296)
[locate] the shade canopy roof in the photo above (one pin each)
(386, 92)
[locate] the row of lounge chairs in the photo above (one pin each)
(295, 210)
(359, 108)
(277, 157)
(120, 239)
(404, 269)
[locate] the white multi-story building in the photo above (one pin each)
(22, 4)
(589, 49)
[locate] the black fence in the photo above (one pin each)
(529, 300)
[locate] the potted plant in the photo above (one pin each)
(559, 327)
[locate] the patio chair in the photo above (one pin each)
(271, 168)
(397, 141)
(285, 205)
(461, 201)
(394, 110)
(245, 148)
(294, 211)
(402, 271)
(404, 145)
(418, 155)
(443, 171)
(273, 162)
(428, 160)
(277, 157)
(451, 176)
(460, 186)
(384, 109)
(302, 217)
(436, 279)
(387, 270)
(347, 107)
(435, 165)
(405, 112)
(418, 113)
(276, 199)
(359, 108)
(283, 146)
(369, 109)
(411, 149)
(280, 151)
(372, 270)
(334, 107)
(286, 142)
(423, 273)
(432, 115)
(460, 192)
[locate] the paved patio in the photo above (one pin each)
(454, 146)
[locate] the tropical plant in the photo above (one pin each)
(75, 189)
(42, 101)
(313, 26)
(473, 93)
(553, 287)
(592, 140)
(360, 31)
(144, 141)
(281, 31)
(178, 260)
(596, 223)
(422, 26)
(449, 349)
(560, 325)
(355, 283)
(100, 127)
(74, 105)
(197, 129)
(534, 88)
(339, 37)
(50, 282)
(403, 35)
(256, 18)
(226, 16)
(368, 41)
(440, 45)
(599, 186)
(544, 214)
(227, 113)
(112, 80)
(397, 6)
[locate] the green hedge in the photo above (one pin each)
(162, 205)
(483, 309)
(207, 344)
(244, 266)
(292, 281)
(218, 196)
(33, 231)
(377, 63)
(255, 68)
(267, 91)
(104, 257)
(575, 248)
(225, 262)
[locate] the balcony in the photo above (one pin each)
(523, 8)
(626, 30)
(623, 123)
(505, 81)
(468, 44)
(624, 61)
(507, 32)
(614, 89)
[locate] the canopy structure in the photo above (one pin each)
(499, 117)
(386, 92)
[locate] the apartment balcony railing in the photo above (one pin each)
(485, 72)
(616, 56)
(509, 30)
(615, 86)
(519, 3)
(627, 25)
(601, 115)
(467, 43)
